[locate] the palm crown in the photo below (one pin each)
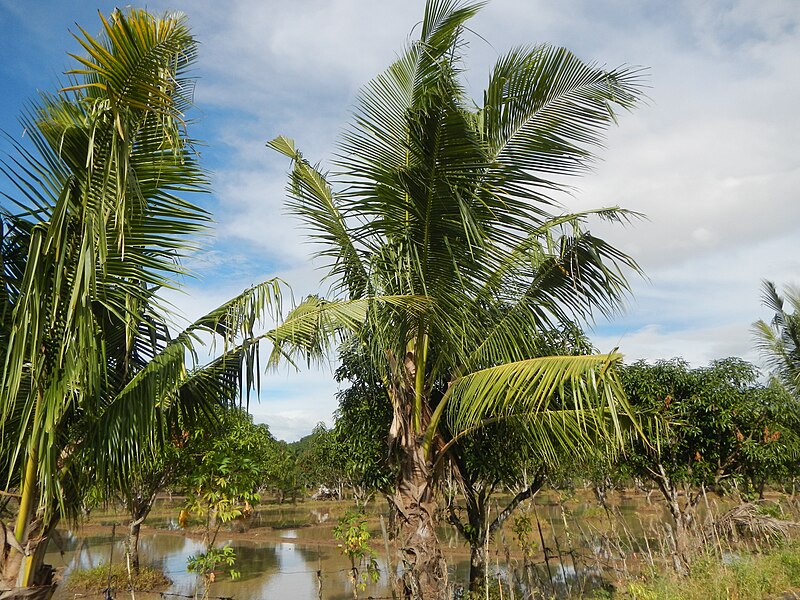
(779, 339)
(437, 200)
(450, 257)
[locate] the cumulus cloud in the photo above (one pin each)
(710, 159)
(707, 159)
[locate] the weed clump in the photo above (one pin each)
(96, 579)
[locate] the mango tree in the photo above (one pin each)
(361, 422)
(227, 465)
(712, 423)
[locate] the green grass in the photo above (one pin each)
(96, 579)
(751, 577)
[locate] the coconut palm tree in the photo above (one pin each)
(779, 339)
(448, 254)
(91, 378)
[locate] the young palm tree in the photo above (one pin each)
(91, 378)
(779, 340)
(448, 256)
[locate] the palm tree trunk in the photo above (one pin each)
(425, 576)
(22, 568)
(30, 562)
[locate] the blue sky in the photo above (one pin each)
(712, 159)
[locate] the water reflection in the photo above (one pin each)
(300, 546)
(268, 569)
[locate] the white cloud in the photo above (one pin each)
(711, 159)
(292, 403)
(698, 346)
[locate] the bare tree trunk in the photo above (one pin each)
(139, 507)
(477, 567)
(682, 515)
(480, 530)
(425, 576)
(475, 531)
(133, 543)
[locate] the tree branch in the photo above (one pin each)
(534, 487)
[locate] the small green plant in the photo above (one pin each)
(523, 530)
(221, 488)
(207, 564)
(494, 593)
(352, 531)
(639, 591)
(770, 509)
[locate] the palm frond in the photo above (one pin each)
(587, 386)
(100, 183)
(316, 324)
(779, 340)
(544, 108)
(316, 205)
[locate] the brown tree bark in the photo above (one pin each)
(476, 498)
(682, 514)
(134, 528)
(139, 506)
(425, 570)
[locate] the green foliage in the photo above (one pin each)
(105, 231)
(493, 593)
(208, 563)
(362, 420)
(352, 530)
(94, 385)
(440, 229)
(771, 509)
(319, 459)
(285, 477)
(522, 527)
(448, 256)
(712, 425)
(227, 466)
(779, 339)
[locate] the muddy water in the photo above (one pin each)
(285, 547)
(269, 569)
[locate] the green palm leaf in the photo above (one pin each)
(779, 340)
(98, 182)
(585, 386)
(436, 198)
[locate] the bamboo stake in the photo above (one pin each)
(544, 547)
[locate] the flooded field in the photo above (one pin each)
(268, 569)
(288, 551)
